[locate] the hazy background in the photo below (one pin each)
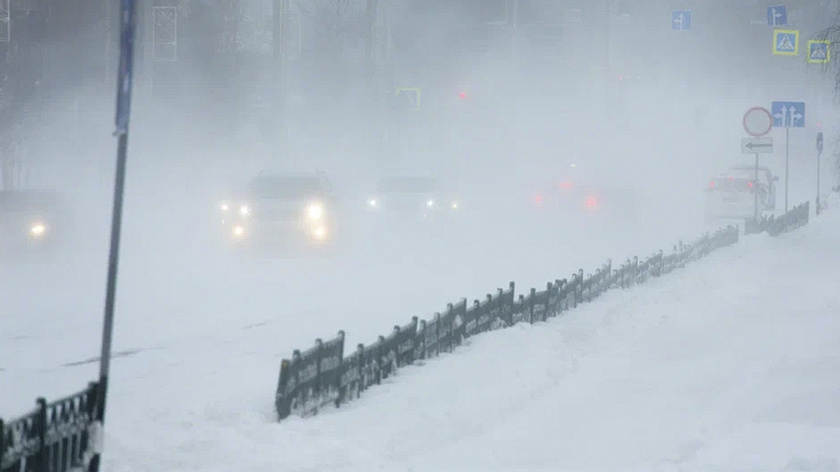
(512, 93)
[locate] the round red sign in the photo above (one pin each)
(758, 121)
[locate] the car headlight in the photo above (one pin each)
(315, 211)
(320, 233)
(38, 230)
(430, 203)
(238, 232)
(225, 207)
(245, 210)
(454, 205)
(373, 203)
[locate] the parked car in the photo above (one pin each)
(732, 194)
(282, 209)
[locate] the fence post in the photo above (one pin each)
(279, 404)
(360, 369)
(531, 306)
(2, 440)
(378, 364)
(559, 302)
(42, 435)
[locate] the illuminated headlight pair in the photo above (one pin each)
(453, 205)
(244, 210)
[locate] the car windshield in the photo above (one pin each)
(406, 185)
(286, 187)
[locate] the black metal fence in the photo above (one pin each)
(55, 437)
(796, 217)
(324, 375)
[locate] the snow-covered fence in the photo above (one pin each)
(323, 375)
(796, 217)
(56, 437)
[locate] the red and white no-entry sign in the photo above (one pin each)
(758, 121)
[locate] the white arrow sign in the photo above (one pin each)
(756, 145)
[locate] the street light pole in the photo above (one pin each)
(278, 43)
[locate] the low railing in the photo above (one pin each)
(323, 375)
(796, 217)
(56, 437)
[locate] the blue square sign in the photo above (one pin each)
(681, 20)
(777, 15)
(788, 114)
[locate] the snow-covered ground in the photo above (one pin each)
(730, 364)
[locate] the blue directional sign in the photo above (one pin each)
(681, 20)
(777, 15)
(788, 114)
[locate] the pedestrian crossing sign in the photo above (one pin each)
(819, 51)
(786, 42)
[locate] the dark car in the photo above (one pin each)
(30, 219)
(282, 209)
(587, 196)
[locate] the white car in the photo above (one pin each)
(411, 198)
(732, 194)
(282, 209)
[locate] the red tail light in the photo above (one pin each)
(750, 184)
(712, 184)
(538, 199)
(566, 185)
(462, 95)
(591, 203)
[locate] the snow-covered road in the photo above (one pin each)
(730, 364)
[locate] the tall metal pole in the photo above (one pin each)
(819, 155)
(818, 182)
(756, 213)
(128, 13)
(787, 165)
(375, 133)
(278, 20)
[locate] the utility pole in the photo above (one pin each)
(376, 124)
(370, 44)
(280, 7)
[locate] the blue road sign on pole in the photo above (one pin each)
(788, 114)
(681, 20)
(777, 15)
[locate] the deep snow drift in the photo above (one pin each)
(730, 364)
